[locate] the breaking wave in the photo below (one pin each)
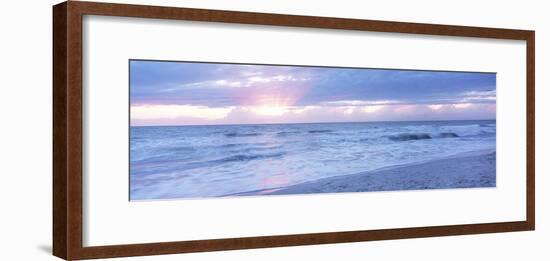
(421, 136)
(236, 134)
(319, 131)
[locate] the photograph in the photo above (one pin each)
(202, 130)
(275, 130)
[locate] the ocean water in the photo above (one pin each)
(210, 161)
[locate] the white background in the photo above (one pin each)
(109, 218)
(26, 131)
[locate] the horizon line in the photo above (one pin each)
(291, 123)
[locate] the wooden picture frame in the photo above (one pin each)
(68, 117)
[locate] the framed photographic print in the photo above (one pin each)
(218, 130)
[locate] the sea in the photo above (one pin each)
(168, 162)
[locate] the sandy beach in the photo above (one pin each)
(465, 170)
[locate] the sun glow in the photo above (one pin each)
(270, 110)
(272, 104)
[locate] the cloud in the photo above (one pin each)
(204, 84)
(462, 105)
(231, 83)
(168, 112)
(479, 96)
(373, 108)
(198, 115)
(360, 102)
(435, 107)
(275, 78)
(214, 93)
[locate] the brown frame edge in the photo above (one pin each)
(67, 129)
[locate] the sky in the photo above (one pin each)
(188, 93)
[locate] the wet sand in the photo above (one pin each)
(468, 170)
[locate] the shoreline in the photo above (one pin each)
(474, 169)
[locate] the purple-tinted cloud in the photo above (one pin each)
(210, 93)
